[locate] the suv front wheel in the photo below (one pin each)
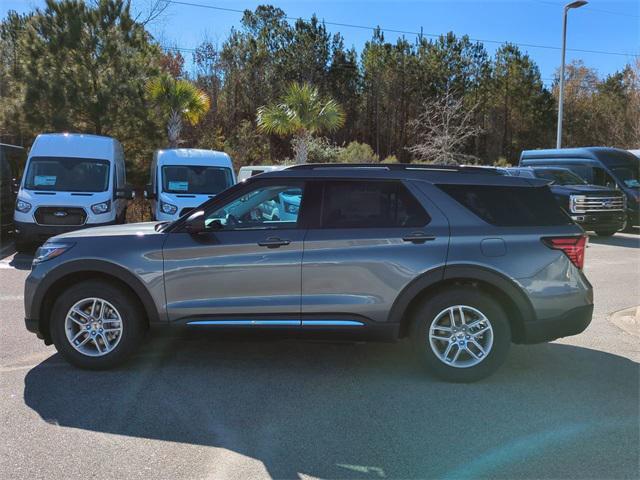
(96, 325)
(461, 334)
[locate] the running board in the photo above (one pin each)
(277, 323)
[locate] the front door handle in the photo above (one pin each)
(273, 242)
(418, 237)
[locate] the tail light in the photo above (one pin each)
(573, 247)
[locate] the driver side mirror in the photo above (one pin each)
(195, 223)
(126, 192)
(149, 194)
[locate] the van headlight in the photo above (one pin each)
(102, 207)
(291, 208)
(168, 208)
(22, 206)
(50, 250)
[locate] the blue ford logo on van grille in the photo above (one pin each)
(60, 213)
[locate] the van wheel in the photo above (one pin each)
(461, 334)
(606, 233)
(96, 325)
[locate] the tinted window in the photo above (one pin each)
(510, 206)
(370, 204)
(559, 177)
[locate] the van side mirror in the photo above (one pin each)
(195, 223)
(126, 192)
(149, 194)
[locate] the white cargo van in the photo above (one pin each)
(251, 170)
(184, 178)
(70, 181)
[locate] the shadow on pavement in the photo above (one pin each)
(360, 410)
(630, 241)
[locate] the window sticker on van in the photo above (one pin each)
(44, 180)
(179, 186)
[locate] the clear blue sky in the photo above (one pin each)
(602, 25)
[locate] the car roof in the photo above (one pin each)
(439, 174)
(75, 145)
(191, 156)
(593, 153)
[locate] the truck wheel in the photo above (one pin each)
(606, 233)
(96, 325)
(23, 247)
(461, 334)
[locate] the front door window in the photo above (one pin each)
(271, 206)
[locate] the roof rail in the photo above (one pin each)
(395, 166)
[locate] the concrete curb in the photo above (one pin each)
(627, 320)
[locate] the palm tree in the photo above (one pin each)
(179, 99)
(302, 113)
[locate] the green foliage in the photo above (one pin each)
(247, 146)
(177, 99)
(502, 162)
(391, 159)
(82, 66)
(356, 152)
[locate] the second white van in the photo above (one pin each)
(183, 178)
(71, 181)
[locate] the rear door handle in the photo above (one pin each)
(418, 237)
(273, 242)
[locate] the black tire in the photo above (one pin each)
(427, 313)
(606, 233)
(23, 247)
(132, 315)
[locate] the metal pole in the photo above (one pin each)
(561, 93)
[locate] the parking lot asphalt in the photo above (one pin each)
(229, 406)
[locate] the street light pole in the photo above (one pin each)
(567, 7)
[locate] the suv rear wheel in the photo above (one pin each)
(461, 334)
(96, 325)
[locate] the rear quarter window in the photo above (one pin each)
(510, 206)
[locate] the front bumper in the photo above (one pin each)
(600, 220)
(573, 322)
(34, 233)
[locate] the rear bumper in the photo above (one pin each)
(573, 322)
(34, 233)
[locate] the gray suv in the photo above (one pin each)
(463, 261)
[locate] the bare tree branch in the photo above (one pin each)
(443, 129)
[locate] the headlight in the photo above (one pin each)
(49, 251)
(103, 207)
(22, 206)
(168, 208)
(291, 208)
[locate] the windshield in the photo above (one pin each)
(62, 174)
(193, 179)
(560, 177)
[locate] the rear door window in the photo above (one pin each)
(370, 204)
(510, 206)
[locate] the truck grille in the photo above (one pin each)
(60, 216)
(589, 203)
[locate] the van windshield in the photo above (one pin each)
(63, 174)
(195, 179)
